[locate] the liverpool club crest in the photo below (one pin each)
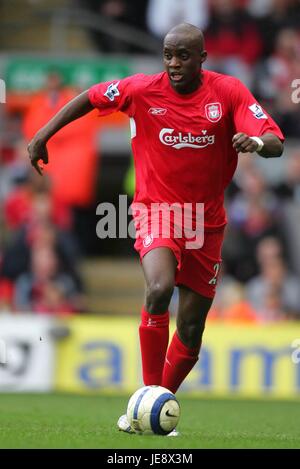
(213, 112)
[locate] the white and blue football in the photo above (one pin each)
(153, 410)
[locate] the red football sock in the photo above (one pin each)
(179, 361)
(154, 338)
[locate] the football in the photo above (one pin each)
(153, 410)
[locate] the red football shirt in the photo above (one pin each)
(182, 144)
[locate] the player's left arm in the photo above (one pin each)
(267, 145)
(255, 130)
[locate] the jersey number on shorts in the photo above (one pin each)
(213, 280)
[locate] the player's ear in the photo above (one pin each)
(203, 56)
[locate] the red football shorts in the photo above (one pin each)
(197, 269)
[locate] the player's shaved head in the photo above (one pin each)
(183, 57)
(189, 33)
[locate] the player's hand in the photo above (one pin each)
(242, 143)
(37, 151)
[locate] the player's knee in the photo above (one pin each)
(190, 332)
(158, 297)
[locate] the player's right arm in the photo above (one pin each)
(37, 148)
(107, 97)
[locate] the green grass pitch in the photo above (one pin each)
(71, 421)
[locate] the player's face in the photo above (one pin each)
(183, 60)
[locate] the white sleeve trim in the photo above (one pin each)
(132, 127)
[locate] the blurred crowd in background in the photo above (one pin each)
(41, 242)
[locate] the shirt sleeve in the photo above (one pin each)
(249, 117)
(113, 96)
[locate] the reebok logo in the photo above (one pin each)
(157, 111)
(151, 322)
(180, 140)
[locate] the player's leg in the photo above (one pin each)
(197, 279)
(159, 266)
(184, 348)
